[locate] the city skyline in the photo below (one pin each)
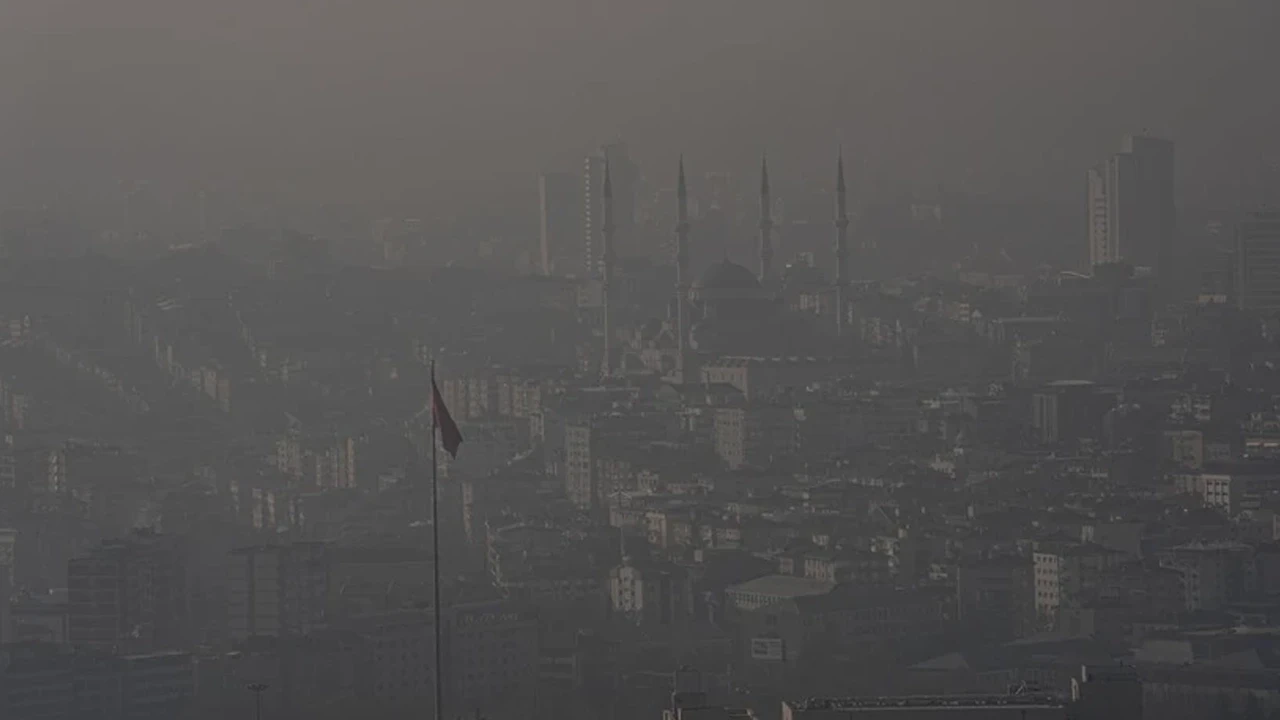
(604, 360)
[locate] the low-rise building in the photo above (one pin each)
(940, 707)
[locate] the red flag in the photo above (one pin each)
(450, 435)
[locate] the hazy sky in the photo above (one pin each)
(436, 102)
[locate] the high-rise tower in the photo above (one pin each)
(842, 232)
(1140, 204)
(559, 233)
(1257, 269)
(606, 270)
(766, 224)
(1101, 248)
(682, 270)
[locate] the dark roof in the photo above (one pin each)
(726, 275)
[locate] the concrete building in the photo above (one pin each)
(689, 701)
(1065, 411)
(764, 591)
(1185, 448)
(651, 594)
(34, 621)
(538, 564)
(37, 681)
(848, 566)
(8, 459)
(129, 593)
(579, 471)
(926, 707)
(492, 444)
(590, 446)
(277, 589)
(764, 378)
(397, 661)
(1069, 575)
(828, 428)
(1101, 250)
(1258, 263)
(1208, 691)
(1140, 202)
(1234, 487)
(710, 712)
(8, 553)
(1230, 492)
(791, 633)
(43, 681)
(1213, 574)
(1122, 537)
(493, 659)
(155, 686)
(1107, 693)
(996, 597)
(326, 461)
(754, 435)
(6, 608)
(374, 578)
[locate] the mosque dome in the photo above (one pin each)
(726, 275)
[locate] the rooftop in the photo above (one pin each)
(940, 702)
(784, 586)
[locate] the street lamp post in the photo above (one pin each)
(257, 690)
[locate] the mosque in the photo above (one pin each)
(728, 310)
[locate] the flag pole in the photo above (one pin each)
(435, 543)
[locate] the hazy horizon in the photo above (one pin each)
(318, 398)
(452, 105)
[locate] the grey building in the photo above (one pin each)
(1101, 248)
(560, 213)
(1140, 203)
(1258, 262)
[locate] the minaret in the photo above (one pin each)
(842, 233)
(682, 270)
(606, 277)
(766, 224)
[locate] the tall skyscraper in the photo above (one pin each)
(682, 272)
(558, 234)
(1258, 262)
(766, 225)
(607, 254)
(1101, 249)
(625, 176)
(842, 242)
(1140, 205)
